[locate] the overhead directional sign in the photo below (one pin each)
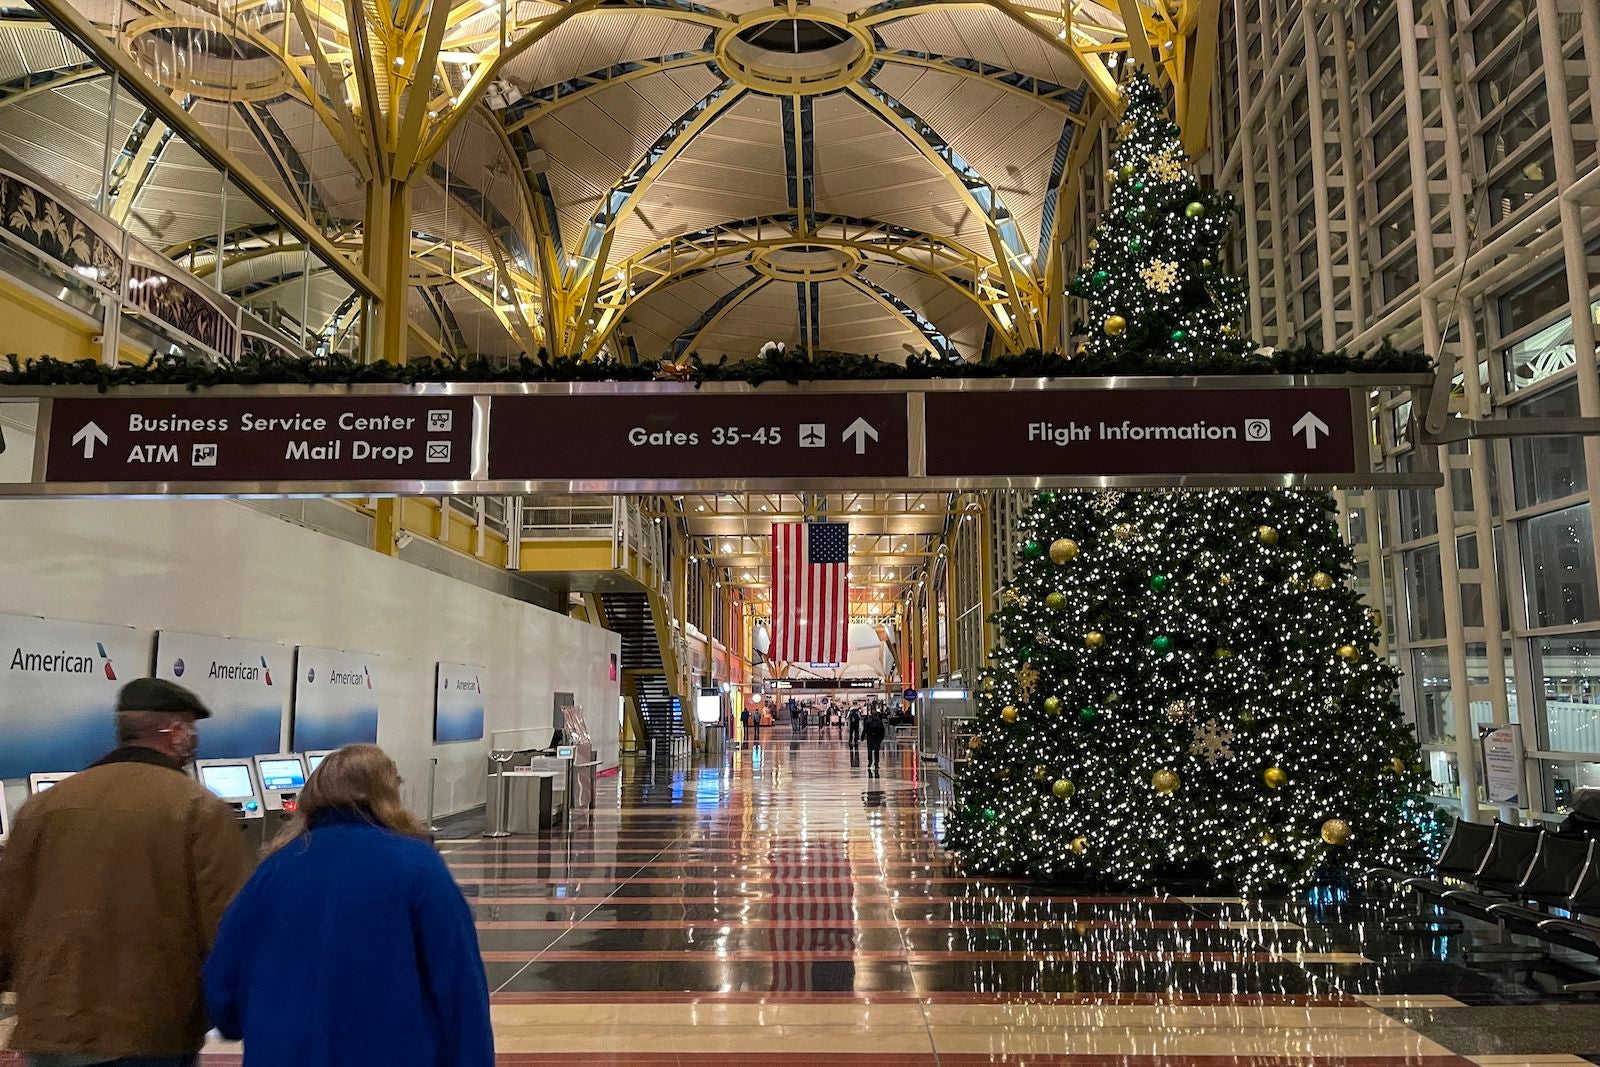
(503, 438)
(652, 437)
(1140, 432)
(260, 439)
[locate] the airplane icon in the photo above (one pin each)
(813, 434)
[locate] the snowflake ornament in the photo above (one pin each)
(1213, 741)
(1027, 681)
(1159, 275)
(1165, 166)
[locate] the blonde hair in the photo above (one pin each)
(359, 779)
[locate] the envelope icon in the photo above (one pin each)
(438, 452)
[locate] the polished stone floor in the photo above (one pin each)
(780, 907)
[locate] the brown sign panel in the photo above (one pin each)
(265, 439)
(1140, 431)
(643, 438)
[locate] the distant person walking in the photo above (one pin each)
(110, 894)
(873, 733)
(855, 726)
(352, 943)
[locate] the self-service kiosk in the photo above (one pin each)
(42, 781)
(314, 760)
(282, 777)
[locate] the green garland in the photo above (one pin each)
(790, 367)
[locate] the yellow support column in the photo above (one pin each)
(386, 527)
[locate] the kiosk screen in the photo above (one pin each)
(229, 781)
(282, 774)
(45, 785)
(315, 761)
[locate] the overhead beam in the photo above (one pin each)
(930, 333)
(708, 320)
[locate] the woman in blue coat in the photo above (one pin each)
(351, 944)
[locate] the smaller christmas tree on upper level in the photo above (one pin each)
(1155, 282)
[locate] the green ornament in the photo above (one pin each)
(1162, 644)
(1180, 336)
(1159, 582)
(1247, 717)
(1136, 245)
(1138, 187)
(1063, 788)
(1044, 500)
(1032, 550)
(1052, 705)
(1055, 601)
(1025, 652)
(990, 815)
(1136, 211)
(1173, 130)
(1127, 170)
(1195, 209)
(1088, 714)
(1099, 278)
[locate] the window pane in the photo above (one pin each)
(1430, 683)
(1562, 778)
(1547, 468)
(1514, 18)
(1547, 352)
(1522, 183)
(1558, 567)
(1425, 593)
(1418, 511)
(1569, 670)
(1531, 301)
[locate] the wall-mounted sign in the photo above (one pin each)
(58, 691)
(335, 699)
(458, 702)
(244, 683)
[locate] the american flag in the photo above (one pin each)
(810, 593)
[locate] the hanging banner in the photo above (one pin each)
(458, 703)
(1502, 764)
(335, 699)
(58, 691)
(244, 683)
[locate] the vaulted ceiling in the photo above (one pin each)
(637, 177)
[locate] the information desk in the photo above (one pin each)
(42, 781)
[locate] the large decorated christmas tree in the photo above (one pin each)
(1187, 688)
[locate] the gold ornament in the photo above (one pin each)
(1094, 242)
(1094, 638)
(1336, 832)
(1122, 531)
(1011, 596)
(1111, 177)
(1040, 772)
(1180, 711)
(1008, 713)
(974, 743)
(1079, 844)
(1349, 653)
(1004, 773)
(1115, 325)
(988, 685)
(1320, 580)
(1027, 681)
(1063, 788)
(1267, 535)
(1376, 616)
(1397, 765)
(1052, 705)
(1165, 782)
(1159, 276)
(1275, 777)
(1165, 166)
(1063, 550)
(1229, 331)
(1124, 127)
(1223, 653)
(1269, 838)
(1225, 579)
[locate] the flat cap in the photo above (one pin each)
(158, 694)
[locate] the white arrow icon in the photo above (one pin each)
(87, 437)
(861, 429)
(1310, 425)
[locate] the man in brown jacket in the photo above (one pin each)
(110, 894)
